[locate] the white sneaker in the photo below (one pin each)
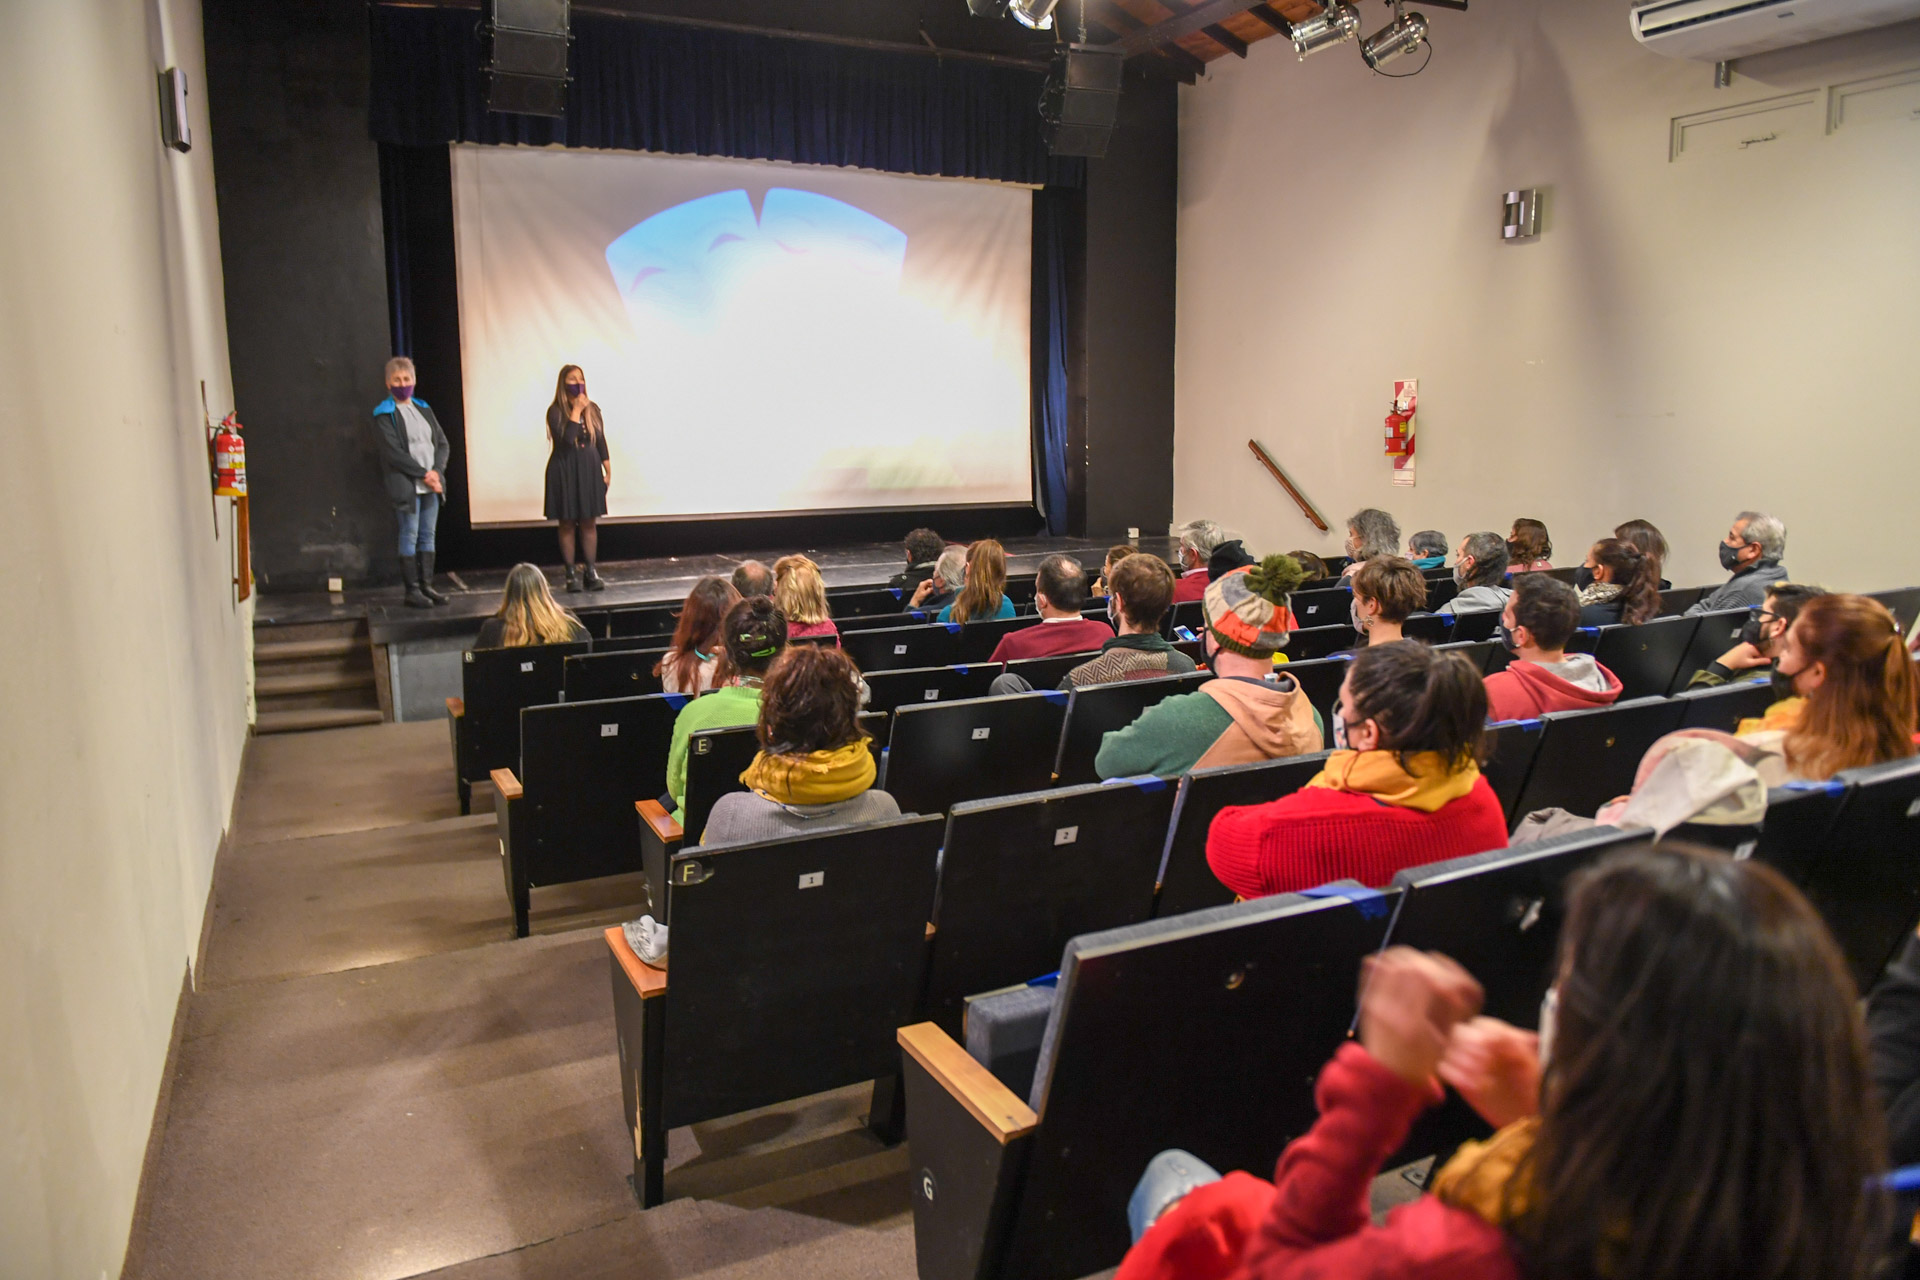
(648, 938)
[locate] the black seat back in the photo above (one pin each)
(1587, 758)
(1511, 748)
(860, 602)
(1723, 707)
(890, 649)
(1793, 834)
(619, 673)
(1434, 628)
(1320, 680)
(1903, 604)
(1022, 875)
(1478, 652)
(913, 686)
(715, 760)
(644, 619)
(978, 640)
(1047, 673)
(1867, 881)
(1678, 600)
(495, 684)
(881, 621)
(1322, 608)
(1477, 625)
(582, 765)
(1309, 643)
(1715, 634)
(1441, 590)
(1190, 614)
(944, 752)
(793, 963)
(1187, 883)
(1093, 711)
(1645, 657)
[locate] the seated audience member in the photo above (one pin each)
(1618, 583)
(1529, 549)
(1059, 591)
(1315, 567)
(942, 588)
(754, 634)
(1386, 592)
(1405, 789)
(1137, 600)
(1536, 624)
(1760, 639)
(1645, 535)
(1251, 711)
(1481, 570)
(693, 653)
(751, 578)
(1641, 1135)
(1198, 538)
(1427, 549)
(923, 549)
(1852, 687)
(1115, 554)
(1227, 557)
(1370, 532)
(985, 594)
(802, 596)
(1751, 551)
(528, 614)
(815, 770)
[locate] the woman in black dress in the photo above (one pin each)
(578, 472)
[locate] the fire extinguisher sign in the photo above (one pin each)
(1400, 429)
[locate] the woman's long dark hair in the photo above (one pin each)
(1636, 573)
(1423, 700)
(1528, 543)
(699, 626)
(559, 412)
(754, 633)
(1645, 535)
(810, 702)
(1707, 1112)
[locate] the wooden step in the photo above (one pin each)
(277, 686)
(314, 718)
(269, 651)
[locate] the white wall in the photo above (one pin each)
(1687, 339)
(123, 659)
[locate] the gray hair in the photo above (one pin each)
(1766, 532)
(399, 364)
(1489, 552)
(1200, 537)
(1378, 533)
(1429, 542)
(951, 567)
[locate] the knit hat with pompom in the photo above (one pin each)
(1247, 609)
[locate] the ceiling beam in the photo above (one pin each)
(1272, 17)
(1226, 40)
(1203, 15)
(1184, 67)
(1190, 67)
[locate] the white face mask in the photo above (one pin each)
(1549, 1015)
(1360, 620)
(1339, 730)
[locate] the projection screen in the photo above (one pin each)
(760, 337)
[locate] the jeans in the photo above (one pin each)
(1169, 1176)
(416, 523)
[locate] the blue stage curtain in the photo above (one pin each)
(1050, 368)
(640, 86)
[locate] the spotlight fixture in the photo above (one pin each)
(1036, 14)
(987, 8)
(1400, 37)
(1338, 23)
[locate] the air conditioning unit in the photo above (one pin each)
(1717, 30)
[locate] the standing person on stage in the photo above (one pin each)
(578, 472)
(413, 449)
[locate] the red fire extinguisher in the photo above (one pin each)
(229, 460)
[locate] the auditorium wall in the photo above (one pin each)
(123, 694)
(1688, 336)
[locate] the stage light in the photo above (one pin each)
(987, 8)
(1399, 37)
(1037, 14)
(1336, 24)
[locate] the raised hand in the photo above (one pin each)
(1495, 1066)
(1410, 1003)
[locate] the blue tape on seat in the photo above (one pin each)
(1588, 631)
(1902, 1179)
(676, 700)
(1830, 785)
(961, 667)
(1046, 980)
(894, 592)
(1052, 695)
(1144, 781)
(953, 628)
(918, 615)
(1371, 902)
(1533, 723)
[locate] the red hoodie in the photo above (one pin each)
(1527, 689)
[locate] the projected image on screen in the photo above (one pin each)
(759, 337)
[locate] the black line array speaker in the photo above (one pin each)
(526, 56)
(1082, 98)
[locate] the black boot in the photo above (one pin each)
(423, 562)
(593, 579)
(573, 583)
(410, 572)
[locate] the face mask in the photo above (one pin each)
(1549, 1016)
(1361, 622)
(1582, 578)
(1754, 633)
(1729, 557)
(1460, 573)
(1339, 731)
(1504, 634)
(1783, 684)
(576, 388)
(403, 393)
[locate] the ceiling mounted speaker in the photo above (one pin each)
(527, 43)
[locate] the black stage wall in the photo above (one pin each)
(299, 188)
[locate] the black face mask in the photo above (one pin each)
(1754, 633)
(1783, 685)
(1582, 578)
(1729, 557)
(1504, 635)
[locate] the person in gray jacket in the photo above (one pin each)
(1752, 551)
(1480, 568)
(413, 451)
(815, 771)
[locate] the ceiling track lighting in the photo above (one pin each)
(1337, 23)
(1036, 15)
(1398, 38)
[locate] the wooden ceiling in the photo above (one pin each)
(1185, 35)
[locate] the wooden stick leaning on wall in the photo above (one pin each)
(1306, 508)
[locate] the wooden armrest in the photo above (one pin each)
(655, 815)
(456, 707)
(646, 979)
(506, 784)
(978, 1089)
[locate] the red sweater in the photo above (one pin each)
(1045, 639)
(1318, 834)
(1190, 586)
(1313, 1223)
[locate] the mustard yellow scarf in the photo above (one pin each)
(1425, 786)
(819, 777)
(1482, 1177)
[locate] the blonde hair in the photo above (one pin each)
(528, 609)
(799, 591)
(986, 582)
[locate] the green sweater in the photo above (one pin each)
(724, 708)
(1168, 738)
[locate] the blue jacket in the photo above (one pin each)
(390, 435)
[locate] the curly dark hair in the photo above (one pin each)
(810, 702)
(755, 633)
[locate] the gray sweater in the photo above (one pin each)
(1746, 589)
(1478, 600)
(745, 816)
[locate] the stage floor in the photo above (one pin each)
(477, 594)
